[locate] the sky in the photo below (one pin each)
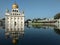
(32, 8)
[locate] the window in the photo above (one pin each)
(18, 28)
(11, 18)
(14, 28)
(7, 28)
(11, 29)
(17, 10)
(13, 13)
(15, 23)
(19, 14)
(21, 28)
(18, 17)
(21, 22)
(13, 10)
(21, 18)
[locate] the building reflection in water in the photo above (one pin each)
(41, 26)
(57, 29)
(14, 33)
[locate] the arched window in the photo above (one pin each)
(13, 10)
(58, 21)
(17, 10)
(15, 23)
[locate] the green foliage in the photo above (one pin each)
(57, 16)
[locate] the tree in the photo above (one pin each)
(57, 16)
(27, 20)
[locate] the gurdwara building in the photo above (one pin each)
(14, 19)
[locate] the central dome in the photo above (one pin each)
(14, 6)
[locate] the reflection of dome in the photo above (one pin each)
(14, 6)
(14, 41)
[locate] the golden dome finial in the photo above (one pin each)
(14, 6)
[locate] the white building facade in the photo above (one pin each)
(14, 20)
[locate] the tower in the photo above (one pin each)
(14, 20)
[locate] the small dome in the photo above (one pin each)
(7, 10)
(14, 6)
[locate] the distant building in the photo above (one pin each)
(44, 20)
(14, 19)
